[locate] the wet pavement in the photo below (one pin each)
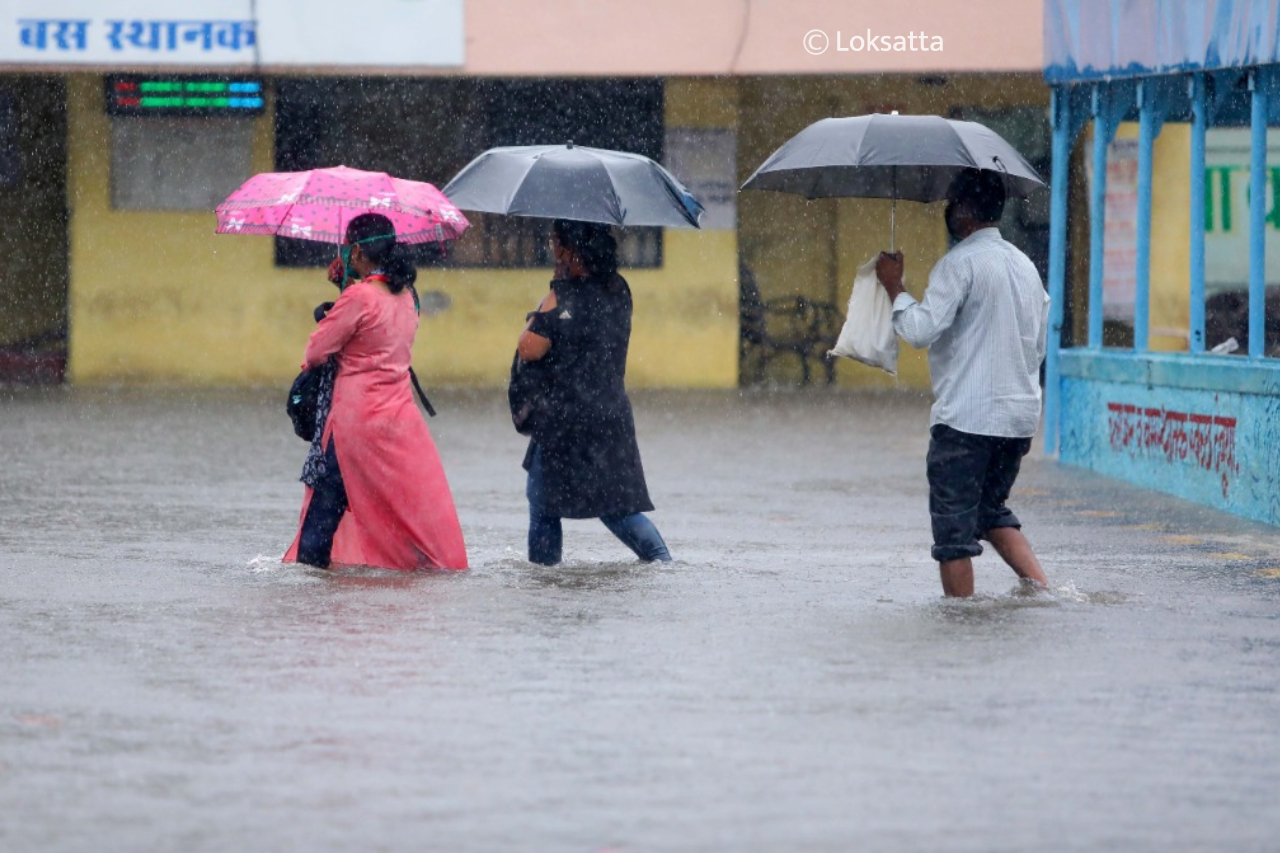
(794, 681)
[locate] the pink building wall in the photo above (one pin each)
(717, 37)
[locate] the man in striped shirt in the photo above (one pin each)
(984, 318)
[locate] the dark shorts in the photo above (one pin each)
(970, 477)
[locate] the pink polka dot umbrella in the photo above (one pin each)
(318, 204)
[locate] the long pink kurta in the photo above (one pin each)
(400, 514)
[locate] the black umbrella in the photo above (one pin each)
(890, 156)
(574, 182)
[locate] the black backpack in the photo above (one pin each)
(301, 405)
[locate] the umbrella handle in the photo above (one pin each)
(893, 211)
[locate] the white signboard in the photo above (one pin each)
(705, 161)
(1226, 238)
(231, 33)
(1120, 240)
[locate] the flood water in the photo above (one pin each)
(794, 681)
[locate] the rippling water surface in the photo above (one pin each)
(793, 681)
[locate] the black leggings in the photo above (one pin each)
(328, 503)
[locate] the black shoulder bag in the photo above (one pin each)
(304, 397)
(526, 395)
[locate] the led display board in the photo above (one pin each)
(183, 95)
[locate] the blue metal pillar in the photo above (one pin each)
(1151, 108)
(1097, 212)
(1111, 101)
(1060, 109)
(1257, 216)
(1199, 124)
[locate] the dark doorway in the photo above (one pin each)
(34, 275)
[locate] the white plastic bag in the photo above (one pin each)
(868, 335)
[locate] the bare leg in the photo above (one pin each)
(957, 577)
(1015, 550)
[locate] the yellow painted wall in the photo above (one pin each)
(158, 297)
(685, 327)
(1170, 319)
(1170, 297)
(786, 240)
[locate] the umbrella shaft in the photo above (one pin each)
(893, 214)
(893, 225)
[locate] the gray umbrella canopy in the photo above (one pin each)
(889, 156)
(574, 182)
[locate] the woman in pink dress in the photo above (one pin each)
(377, 493)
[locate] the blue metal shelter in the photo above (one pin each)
(1205, 427)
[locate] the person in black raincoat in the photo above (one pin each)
(583, 460)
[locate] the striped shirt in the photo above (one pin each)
(984, 318)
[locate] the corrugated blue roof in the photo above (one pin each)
(1089, 39)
